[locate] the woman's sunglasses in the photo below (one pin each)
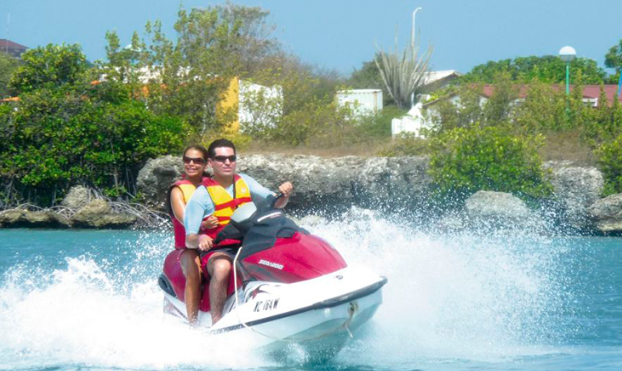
(196, 160)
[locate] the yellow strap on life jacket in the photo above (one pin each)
(187, 190)
(224, 204)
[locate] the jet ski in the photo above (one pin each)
(290, 287)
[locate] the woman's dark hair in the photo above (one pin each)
(211, 150)
(199, 148)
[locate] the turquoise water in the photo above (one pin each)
(88, 300)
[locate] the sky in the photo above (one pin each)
(342, 34)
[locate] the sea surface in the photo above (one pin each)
(88, 300)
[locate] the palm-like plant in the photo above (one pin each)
(403, 74)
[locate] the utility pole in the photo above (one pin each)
(412, 35)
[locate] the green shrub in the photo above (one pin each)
(464, 161)
(54, 138)
(379, 125)
(610, 162)
(405, 144)
(315, 122)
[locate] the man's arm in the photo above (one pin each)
(263, 192)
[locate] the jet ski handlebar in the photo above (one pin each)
(273, 199)
(245, 216)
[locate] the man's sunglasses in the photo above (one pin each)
(196, 160)
(222, 159)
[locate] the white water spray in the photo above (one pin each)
(447, 297)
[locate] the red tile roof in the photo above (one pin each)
(8, 44)
(593, 91)
(589, 91)
(489, 90)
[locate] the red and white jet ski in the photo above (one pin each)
(291, 286)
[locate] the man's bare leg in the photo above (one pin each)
(218, 267)
(191, 266)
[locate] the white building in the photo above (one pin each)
(362, 101)
(259, 106)
(415, 120)
(435, 80)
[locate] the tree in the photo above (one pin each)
(192, 72)
(255, 43)
(66, 130)
(469, 109)
(367, 77)
(307, 108)
(548, 68)
(447, 115)
(500, 106)
(55, 138)
(544, 109)
(8, 65)
(123, 63)
(49, 67)
(613, 59)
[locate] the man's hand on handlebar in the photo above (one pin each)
(286, 190)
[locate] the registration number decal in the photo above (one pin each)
(264, 305)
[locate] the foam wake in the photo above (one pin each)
(462, 297)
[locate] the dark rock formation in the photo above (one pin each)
(155, 178)
(368, 182)
(77, 197)
(98, 214)
(20, 218)
(497, 206)
(487, 211)
(379, 182)
(607, 214)
(576, 189)
(389, 184)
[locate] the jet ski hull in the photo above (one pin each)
(317, 315)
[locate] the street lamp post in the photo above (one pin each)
(412, 35)
(567, 54)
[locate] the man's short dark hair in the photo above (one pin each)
(218, 143)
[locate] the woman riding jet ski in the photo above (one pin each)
(289, 286)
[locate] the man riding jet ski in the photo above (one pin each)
(288, 286)
(218, 197)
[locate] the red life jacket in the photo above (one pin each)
(225, 204)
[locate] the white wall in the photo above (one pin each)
(259, 105)
(362, 101)
(413, 122)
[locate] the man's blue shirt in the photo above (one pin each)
(201, 205)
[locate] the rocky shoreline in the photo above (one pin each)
(388, 184)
